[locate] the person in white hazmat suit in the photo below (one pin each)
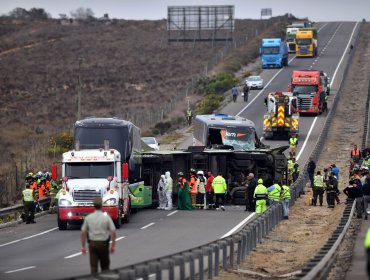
(162, 193)
(168, 188)
(202, 180)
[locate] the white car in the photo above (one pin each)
(151, 142)
(254, 82)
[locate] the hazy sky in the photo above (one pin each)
(317, 10)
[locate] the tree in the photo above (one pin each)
(82, 13)
(18, 13)
(39, 14)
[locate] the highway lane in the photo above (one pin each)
(44, 256)
(150, 234)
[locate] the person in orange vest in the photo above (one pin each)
(43, 192)
(193, 185)
(355, 154)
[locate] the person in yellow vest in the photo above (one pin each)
(29, 200)
(293, 143)
(367, 248)
(274, 193)
(201, 197)
(193, 185)
(290, 170)
(260, 195)
(285, 197)
(219, 187)
(318, 189)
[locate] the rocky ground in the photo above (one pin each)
(293, 242)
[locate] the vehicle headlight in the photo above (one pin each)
(64, 202)
(110, 201)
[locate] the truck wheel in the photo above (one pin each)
(118, 222)
(62, 225)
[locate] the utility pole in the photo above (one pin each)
(80, 59)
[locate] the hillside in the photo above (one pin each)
(127, 70)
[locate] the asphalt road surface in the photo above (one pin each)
(41, 251)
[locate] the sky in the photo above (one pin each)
(316, 10)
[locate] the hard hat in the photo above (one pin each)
(192, 170)
(260, 181)
(200, 172)
(180, 174)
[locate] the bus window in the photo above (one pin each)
(241, 138)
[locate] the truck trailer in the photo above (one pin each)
(274, 53)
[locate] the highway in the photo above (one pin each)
(41, 251)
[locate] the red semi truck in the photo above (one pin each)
(311, 88)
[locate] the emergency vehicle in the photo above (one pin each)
(282, 117)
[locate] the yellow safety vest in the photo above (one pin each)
(28, 195)
(319, 181)
(260, 192)
(293, 142)
(219, 185)
(275, 193)
(367, 239)
(286, 192)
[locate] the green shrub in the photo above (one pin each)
(60, 143)
(215, 84)
(209, 103)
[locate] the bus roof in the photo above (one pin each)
(217, 120)
(102, 122)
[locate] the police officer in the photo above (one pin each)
(318, 189)
(331, 187)
(100, 229)
(260, 195)
(29, 200)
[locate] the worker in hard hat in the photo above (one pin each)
(260, 195)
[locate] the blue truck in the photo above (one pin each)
(274, 53)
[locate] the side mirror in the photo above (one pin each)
(64, 179)
(110, 178)
(124, 171)
(54, 172)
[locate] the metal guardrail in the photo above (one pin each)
(13, 214)
(320, 265)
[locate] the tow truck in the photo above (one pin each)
(282, 117)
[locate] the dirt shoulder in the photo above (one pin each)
(293, 242)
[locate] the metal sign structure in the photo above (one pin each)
(266, 13)
(200, 23)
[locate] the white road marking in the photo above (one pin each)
(332, 81)
(20, 269)
(242, 223)
(79, 253)
(28, 237)
(148, 225)
(74, 255)
(170, 214)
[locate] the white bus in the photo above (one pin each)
(220, 130)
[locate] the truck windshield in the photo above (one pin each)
(241, 138)
(83, 170)
(304, 41)
(270, 50)
(304, 89)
